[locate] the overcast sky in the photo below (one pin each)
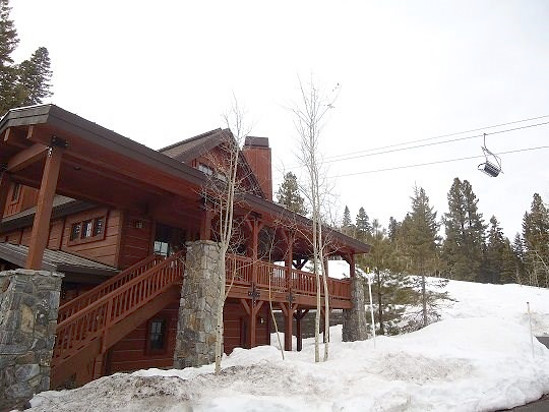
(162, 71)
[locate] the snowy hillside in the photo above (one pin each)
(479, 357)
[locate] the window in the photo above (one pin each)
(161, 248)
(16, 192)
(87, 227)
(205, 169)
(158, 335)
(75, 231)
(98, 224)
(87, 230)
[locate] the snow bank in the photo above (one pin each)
(477, 358)
(476, 364)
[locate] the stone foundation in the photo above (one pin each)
(29, 302)
(203, 285)
(354, 320)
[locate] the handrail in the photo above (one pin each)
(299, 281)
(74, 305)
(94, 320)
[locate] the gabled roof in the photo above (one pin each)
(189, 149)
(55, 260)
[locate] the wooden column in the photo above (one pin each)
(40, 226)
(288, 310)
(206, 225)
(352, 270)
(299, 315)
(5, 183)
(252, 311)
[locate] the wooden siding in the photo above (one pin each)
(131, 352)
(236, 326)
(27, 198)
(103, 250)
(136, 243)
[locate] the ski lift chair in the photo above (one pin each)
(492, 164)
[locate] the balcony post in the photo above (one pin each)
(40, 226)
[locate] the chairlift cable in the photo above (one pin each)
(527, 149)
(358, 156)
(439, 137)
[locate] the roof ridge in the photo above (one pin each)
(190, 139)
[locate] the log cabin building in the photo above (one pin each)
(115, 218)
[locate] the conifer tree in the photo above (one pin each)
(347, 224)
(26, 83)
(464, 226)
(495, 248)
(392, 230)
(509, 264)
(391, 289)
(363, 227)
(535, 233)
(518, 251)
(419, 235)
(288, 195)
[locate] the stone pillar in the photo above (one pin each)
(201, 294)
(29, 302)
(354, 319)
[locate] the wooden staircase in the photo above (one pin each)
(93, 322)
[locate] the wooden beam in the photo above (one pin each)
(27, 157)
(40, 226)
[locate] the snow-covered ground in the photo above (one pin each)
(479, 357)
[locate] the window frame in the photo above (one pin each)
(87, 233)
(165, 320)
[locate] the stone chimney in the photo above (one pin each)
(258, 154)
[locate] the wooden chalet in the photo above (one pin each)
(114, 216)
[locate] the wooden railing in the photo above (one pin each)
(80, 302)
(242, 268)
(93, 321)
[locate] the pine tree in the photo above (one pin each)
(420, 240)
(494, 252)
(27, 83)
(34, 77)
(391, 289)
(346, 224)
(363, 227)
(463, 247)
(535, 232)
(393, 228)
(509, 264)
(288, 195)
(518, 251)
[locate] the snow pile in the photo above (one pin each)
(478, 358)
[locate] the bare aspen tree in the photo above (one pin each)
(309, 114)
(224, 185)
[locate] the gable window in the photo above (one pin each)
(208, 171)
(87, 230)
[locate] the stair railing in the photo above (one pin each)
(91, 322)
(74, 305)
